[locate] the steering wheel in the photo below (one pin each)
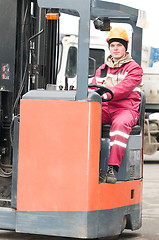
(101, 90)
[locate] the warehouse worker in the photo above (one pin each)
(122, 75)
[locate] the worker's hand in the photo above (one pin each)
(104, 96)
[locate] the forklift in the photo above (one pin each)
(56, 140)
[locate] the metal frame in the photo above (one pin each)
(91, 9)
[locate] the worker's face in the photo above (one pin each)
(117, 50)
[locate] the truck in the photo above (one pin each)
(52, 144)
(150, 57)
(151, 89)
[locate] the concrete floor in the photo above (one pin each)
(150, 226)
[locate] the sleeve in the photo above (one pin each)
(128, 84)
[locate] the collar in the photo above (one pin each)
(111, 63)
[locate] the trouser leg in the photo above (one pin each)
(122, 121)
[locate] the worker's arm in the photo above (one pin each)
(124, 88)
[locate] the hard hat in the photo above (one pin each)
(118, 33)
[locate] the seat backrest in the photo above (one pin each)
(142, 109)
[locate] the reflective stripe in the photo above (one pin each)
(137, 89)
(115, 142)
(119, 133)
(119, 77)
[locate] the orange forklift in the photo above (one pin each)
(59, 145)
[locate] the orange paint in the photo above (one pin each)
(119, 194)
(58, 167)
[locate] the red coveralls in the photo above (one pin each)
(121, 112)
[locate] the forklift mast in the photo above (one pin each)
(27, 61)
